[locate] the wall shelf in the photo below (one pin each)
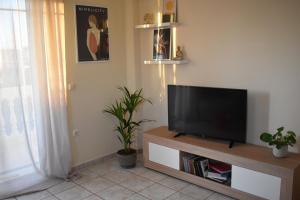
(165, 62)
(162, 25)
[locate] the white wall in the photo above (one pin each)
(95, 85)
(233, 43)
(236, 44)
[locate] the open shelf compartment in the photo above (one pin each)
(205, 168)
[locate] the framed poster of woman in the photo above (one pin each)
(92, 33)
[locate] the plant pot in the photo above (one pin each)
(280, 153)
(127, 159)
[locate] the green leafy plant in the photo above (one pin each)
(123, 110)
(279, 139)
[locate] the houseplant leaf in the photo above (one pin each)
(266, 137)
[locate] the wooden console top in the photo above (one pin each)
(250, 152)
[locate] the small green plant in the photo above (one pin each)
(279, 139)
(123, 110)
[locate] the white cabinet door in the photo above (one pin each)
(256, 183)
(164, 155)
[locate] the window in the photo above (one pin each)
(16, 94)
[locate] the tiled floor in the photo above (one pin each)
(107, 181)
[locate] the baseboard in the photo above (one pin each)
(97, 160)
(93, 162)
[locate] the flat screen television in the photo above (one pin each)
(208, 112)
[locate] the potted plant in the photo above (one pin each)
(123, 110)
(279, 141)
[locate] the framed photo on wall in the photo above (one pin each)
(92, 33)
(162, 44)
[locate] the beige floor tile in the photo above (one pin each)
(76, 193)
(179, 196)
(84, 175)
(50, 198)
(115, 193)
(118, 176)
(61, 187)
(196, 192)
(97, 185)
(93, 197)
(217, 196)
(157, 192)
(137, 197)
(35, 196)
(174, 183)
(153, 175)
(105, 167)
(136, 183)
(139, 169)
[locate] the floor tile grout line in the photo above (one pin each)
(60, 191)
(134, 192)
(133, 173)
(143, 188)
(138, 175)
(119, 186)
(141, 176)
(164, 179)
(78, 185)
(209, 196)
(118, 183)
(95, 193)
(196, 186)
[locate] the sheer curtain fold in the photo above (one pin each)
(34, 140)
(47, 25)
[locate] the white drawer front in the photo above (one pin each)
(256, 183)
(164, 155)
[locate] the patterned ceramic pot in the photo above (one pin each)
(280, 153)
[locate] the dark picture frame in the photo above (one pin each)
(162, 46)
(92, 33)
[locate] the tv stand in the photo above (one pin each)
(255, 173)
(231, 143)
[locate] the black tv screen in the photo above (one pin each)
(210, 112)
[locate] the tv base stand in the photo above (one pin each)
(255, 173)
(179, 134)
(231, 143)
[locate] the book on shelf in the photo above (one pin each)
(218, 180)
(196, 165)
(220, 167)
(216, 176)
(191, 166)
(204, 167)
(186, 162)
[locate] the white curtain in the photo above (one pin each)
(34, 141)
